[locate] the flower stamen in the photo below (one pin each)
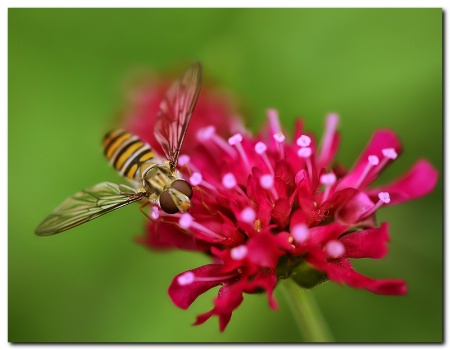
(266, 181)
(239, 252)
(196, 179)
(279, 138)
(274, 121)
(209, 133)
(327, 180)
(334, 249)
(155, 212)
(389, 154)
(300, 233)
(187, 222)
(189, 277)
(186, 278)
(304, 141)
(384, 198)
(306, 152)
(372, 161)
(236, 140)
(260, 148)
(183, 159)
(327, 140)
(248, 215)
(229, 182)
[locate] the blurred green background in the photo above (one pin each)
(378, 68)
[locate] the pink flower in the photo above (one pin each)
(270, 206)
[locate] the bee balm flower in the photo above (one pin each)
(269, 207)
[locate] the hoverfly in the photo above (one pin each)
(157, 181)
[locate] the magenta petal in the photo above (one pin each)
(417, 182)
(341, 270)
(203, 318)
(268, 281)
(321, 234)
(184, 295)
(369, 243)
(263, 250)
(258, 194)
(354, 209)
(228, 299)
(284, 178)
(281, 212)
(161, 235)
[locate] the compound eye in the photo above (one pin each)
(184, 187)
(167, 204)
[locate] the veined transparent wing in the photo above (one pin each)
(88, 205)
(175, 112)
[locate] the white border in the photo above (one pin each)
(167, 3)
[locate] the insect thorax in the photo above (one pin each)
(157, 178)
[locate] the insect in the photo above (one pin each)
(157, 181)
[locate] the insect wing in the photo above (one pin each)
(87, 205)
(175, 112)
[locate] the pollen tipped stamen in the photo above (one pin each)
(305, 153)
(327, 140)
(236, 140)
(384, 198)
(186, 278)
(209, 134)
(280, 138)
(260, 149)
(274, 121)
(334, 249)
(304, 141)
(189, 277)
(248, 215)
(187, 222)
(155, 212)
(300, 233)
(196, 179)
(230, 182)
(388, 154)
(239, 252)
(372, 161)
(267, 182)
(183, 159)
(327, 180)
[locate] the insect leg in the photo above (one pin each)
(142, 209)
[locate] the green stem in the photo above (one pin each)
(306, 313)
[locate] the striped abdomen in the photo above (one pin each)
(126, 152)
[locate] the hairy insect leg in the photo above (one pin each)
(143, 212)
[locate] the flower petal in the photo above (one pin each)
(370, 243)
(417, 182)
(228, 299)
(183, 295)
(266, 280)
(281, 212)
(263, 250)
(354, 209)
(341, 271)
(162, 235)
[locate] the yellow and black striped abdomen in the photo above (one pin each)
(126, 152)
